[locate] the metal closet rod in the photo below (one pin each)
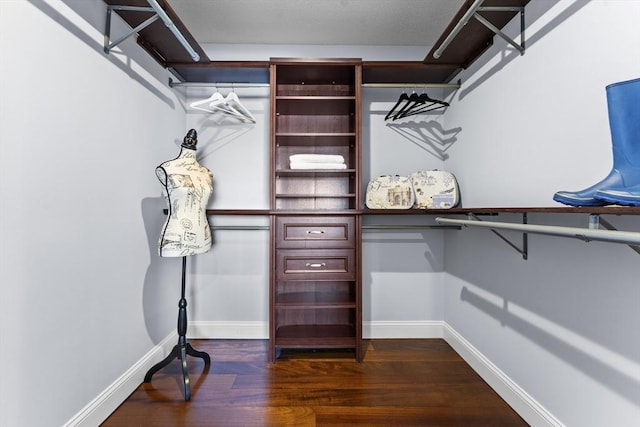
(408, 227)
(413, 85)
(461, 23)
(173, 83)
(240, 227)
(585, 234)
(171, 26)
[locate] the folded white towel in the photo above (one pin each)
(316, 158)
(311, 165)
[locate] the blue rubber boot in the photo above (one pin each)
(625, 126)
(622, 185)
(629, 196)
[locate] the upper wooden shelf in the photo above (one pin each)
(156, 38)
(473, 39)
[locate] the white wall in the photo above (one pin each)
(231, 291)
(82, 294)
(563, 324)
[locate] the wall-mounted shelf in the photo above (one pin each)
(468, 44)
(474, 37)
(157, 38)
(590, 233)
(605, 210)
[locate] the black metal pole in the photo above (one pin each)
(183, 348)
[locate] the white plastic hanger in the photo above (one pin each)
(234, 103)
(230, 105)
(214, 104)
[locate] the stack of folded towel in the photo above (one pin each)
(317, 161)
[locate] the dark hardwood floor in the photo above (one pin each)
(399, 383)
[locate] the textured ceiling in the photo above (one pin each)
(317, 22)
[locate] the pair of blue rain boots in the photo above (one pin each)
(622, 185)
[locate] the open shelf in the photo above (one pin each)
(465, 48)
(317, 336)
(605, 210)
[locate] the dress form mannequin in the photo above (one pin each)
(187, 187)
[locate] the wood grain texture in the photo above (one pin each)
(399, 383)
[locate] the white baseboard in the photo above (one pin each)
(402, 329)
(370, 330)
(529, 409)
(521, 402)
(99, 409)
(245, 330)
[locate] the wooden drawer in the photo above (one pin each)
(316, 264)
(315, 232)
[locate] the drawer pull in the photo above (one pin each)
(315, 231)
(316, 264)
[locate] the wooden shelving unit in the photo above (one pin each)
(315, 289)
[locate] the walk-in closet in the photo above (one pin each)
(191, 236)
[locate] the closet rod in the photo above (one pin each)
(585, 234)
(461, 23)
(240, 227)
(410, 227)
(406, 85)
(171, 26)
(219, 85)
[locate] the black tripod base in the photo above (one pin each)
(180, 352)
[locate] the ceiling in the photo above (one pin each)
(317, 22)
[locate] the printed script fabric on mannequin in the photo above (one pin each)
(187, 187)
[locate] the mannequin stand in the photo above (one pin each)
(183, 348)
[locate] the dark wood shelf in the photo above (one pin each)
(314, 300)
(464, 49)
(156, 38)
(474, 38)
(253, 72)
(315, 98)
(315, 336)
(605, 210)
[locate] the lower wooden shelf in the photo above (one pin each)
(316, 336)
(315, 300)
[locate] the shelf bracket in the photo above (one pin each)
(595, 222)
(108, 44)
(525, 238)
(158, 13)
(520, 47)
(473, 12)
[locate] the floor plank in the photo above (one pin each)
(399, 383)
